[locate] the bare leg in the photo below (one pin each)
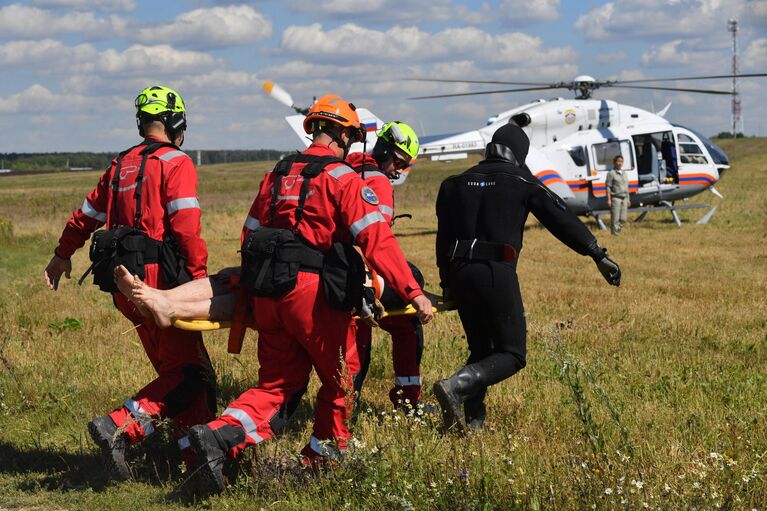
(125, 284)
(209, 298)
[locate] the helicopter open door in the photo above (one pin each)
(657, 160)
(602, 155)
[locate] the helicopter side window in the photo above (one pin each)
(605, 153)
(578, 154)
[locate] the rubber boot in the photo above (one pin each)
(103, 430)
(475, 410)
(211, 449)
(451, 394)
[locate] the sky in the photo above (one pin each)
(71, 69)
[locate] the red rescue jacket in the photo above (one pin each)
(169, 204)
(335, 208)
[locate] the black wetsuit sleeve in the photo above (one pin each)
(554, 214)
(444, 234)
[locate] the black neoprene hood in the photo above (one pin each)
(513, 137)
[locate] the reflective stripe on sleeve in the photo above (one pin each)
(90, 211)
(341, 170)
(406, 381)
(183, 203)
(374, 173)
(172, 154)
(140, 415)
(247, 423)
(366, 221)
(386, 210)
(252, 223)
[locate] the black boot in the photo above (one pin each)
(451, 393)
(210, 458)
(475, 410)
(103, 431)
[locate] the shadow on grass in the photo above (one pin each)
(156, 461)
(52, 469)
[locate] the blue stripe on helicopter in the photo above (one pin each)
(696, 179)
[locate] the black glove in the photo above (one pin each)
(609, 270)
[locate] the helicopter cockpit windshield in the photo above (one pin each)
(717, 154)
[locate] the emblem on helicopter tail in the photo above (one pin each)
(569, 116)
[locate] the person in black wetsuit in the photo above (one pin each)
(481, 217)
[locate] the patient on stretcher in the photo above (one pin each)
(214, 298)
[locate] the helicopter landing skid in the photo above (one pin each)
(662, 206)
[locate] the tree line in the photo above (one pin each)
(26, 162)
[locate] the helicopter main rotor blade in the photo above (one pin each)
(478, 81)
(701, 91)
(281, 95)
(548, 87)
(710, 77)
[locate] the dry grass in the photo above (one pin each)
(652, 394)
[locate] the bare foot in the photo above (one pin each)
(126, 283)
(155, 302)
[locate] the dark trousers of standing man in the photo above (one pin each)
(490, 307)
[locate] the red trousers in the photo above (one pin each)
(295, 333)
(185, 387)
(407, 346)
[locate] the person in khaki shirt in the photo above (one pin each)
(617, 185)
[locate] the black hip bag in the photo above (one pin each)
(271, 260)
(128, 245)
(272, 257)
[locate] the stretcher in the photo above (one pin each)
(204, 325)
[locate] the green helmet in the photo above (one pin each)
(157, 100)
(401, 136)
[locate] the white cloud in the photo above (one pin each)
(19, 21)
(38, 99)
(523, 12)
(211, 27)
(149, 59)
(686, 52)
(755, 56)
(394, 11)
(83, 59)
(609, 58)
(410, 44)
(649, 19)
(101, 5)
(24, 53)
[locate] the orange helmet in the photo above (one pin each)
(330, 108)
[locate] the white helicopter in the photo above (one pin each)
(573, 143)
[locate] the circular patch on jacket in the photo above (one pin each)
(369, 196)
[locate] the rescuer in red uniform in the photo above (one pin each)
(147, 201)
(318, 199)
(394, 151)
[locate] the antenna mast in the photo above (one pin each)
(737, 122)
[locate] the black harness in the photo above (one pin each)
(126, 245)
(272, 257)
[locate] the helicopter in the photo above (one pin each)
(573, 143)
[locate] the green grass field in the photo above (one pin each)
(653, 395)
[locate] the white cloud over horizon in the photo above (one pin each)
(217, 53)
